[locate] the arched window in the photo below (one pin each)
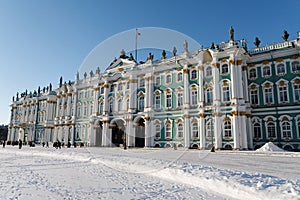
(194, 95)
(78, 110)
(209, 96)
(157, 131)
(209, 71)
(271, 131)
(280, 69)
(142, 83)
(112, 88)
(179, 99)
(157, 100)
(226, 92)
(209, 128)
(179, 77)
(102, 90)
(296, 88)
(295, 66)
(283, 93)
(286, 129)
(141, 103)
(168, 130)
(227, 129)
(268, 93)
(120, 86)
(195, 130)
(84, 109)
(257, 130)
(193, 74)
(157, 81)
(254, 96)
(225, 69)
(168, 79)
(119, 104)
(252, 73)
(168, 100)
(91, 108)
(266, 71)
(179, 130)
(101, 108)
(111, 104)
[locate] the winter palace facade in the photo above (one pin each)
(223, 96)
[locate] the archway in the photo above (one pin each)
(140, 133)
(118, 132)
(227, 147)
(98, 137)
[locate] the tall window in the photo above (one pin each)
(209, 71)
(102, 90)
(268, 95)
(179, 76)
(280, 69)
(295, 66)
(168, 131)
(224, 69)
(127, 104)
(112, 88)
(283, 93)
(141, 103)
(296, 88)
(226, 93)
(168, 79)
(168, 100)
(157, 81)
(266, 71)
(111, 104)
(119, 104)
(194, 95)
(257, 130)
(209, 128)
(157, 101)
(227, 129)
(298, 126)
(179, 99)
(128, 85)
(252, 73)
(254, 96)
(271, 132)
(78, 110)
(286, 130)
(101, 108)
(120, 86)
(84, 109)
(194, 74)
(195, 130)
(209, 96)
(157, 131)
(142, 83)
(180, 130)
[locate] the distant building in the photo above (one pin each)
(225, 95)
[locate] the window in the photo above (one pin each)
(101, 108)
(227, 129)
(168, 79)
(168, 130)
(194, 74)
(209, 96)
(194, 97)
(128, 85)
(180, 130)
(286, 130)
(84, 110)
(102, 90)
(195, 130)
(268, 95)
(280, 69)
(119, 104)
(283, 93)
(252, 73)
(225, 69)
(111, 104)
(168, 100)
(257, 130)
(271, 131)
(295, 66)
(141, 103)
(142, 83)
(209, 128)
(254, 96)
(157, 81)
(179, 77)
(120, 86)
(226, 93)
(296, 88)
(179, 99)
(91, 108)
(157, 101)
(157, 131)
(112, 88)
(209, 71)
(266, 71)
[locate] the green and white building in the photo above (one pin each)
(225, 96)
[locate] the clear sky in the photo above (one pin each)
(41, 40)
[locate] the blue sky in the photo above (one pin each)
(43, 40)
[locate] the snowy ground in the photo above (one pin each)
(114, 173)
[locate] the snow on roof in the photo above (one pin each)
(270, 146)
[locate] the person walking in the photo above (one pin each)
(3, 143)
(20, 144)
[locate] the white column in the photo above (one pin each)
(235, 130)
(57, 106)
(55, 134)
(216, 78)
(249, 132)
(202, 131)
(243, 131)
(218, 131)
(96, 102)
(147, 132)
(105, 134)
(201, 89)
(106, 103)
(133, 94)
(66, 134)
(92, 135)
(186, 131)
(151, 90)
(186, 96)
(69, 104)
(147, 92)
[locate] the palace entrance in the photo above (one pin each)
(98, 139)
(118, 133)
(140, 133)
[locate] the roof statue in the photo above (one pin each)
(77, 76)
(212, 46)
(85, 75)
(174, 51)
(231, 34)
(98, 70)
(256, 42)
(44, 89)
(150, 57)
(122, 54)
(285, 35)
(60, 81)
(50, 87)
(39, 90)
(131, 57)
(13, 98)
(17, 96)
(185, 46)
(244, 44)
(91, 73)
(163, 54)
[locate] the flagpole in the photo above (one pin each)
(136, 37)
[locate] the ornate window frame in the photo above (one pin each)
(266, 71)
(281, 84)
(268, 86)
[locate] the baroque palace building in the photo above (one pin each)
(226, 95)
